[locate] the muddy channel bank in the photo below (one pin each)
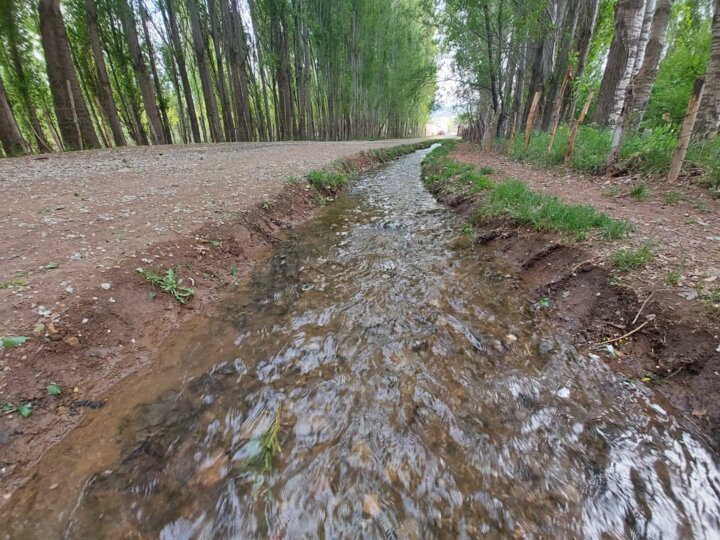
(674, 344)
(98, 344)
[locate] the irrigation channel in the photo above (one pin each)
(379, 378)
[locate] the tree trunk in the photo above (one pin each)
(173, 30)
(162, 102)
(708, 119)
(623, 49)
(643, 82)
(228, 125)
(127, 18)
(23, 82)
(76, 127)
(10, 137)
(104, 89)
(205, 77)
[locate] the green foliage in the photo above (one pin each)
(639, 192)
(12, 342)
(628, 258)
(53, 389)
(711, 299)
(10, 283)
(673, 197)
(673, 278)
(327, 180)
(514, 200)
(168, 283)
(23, 410)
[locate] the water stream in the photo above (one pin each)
(379, 378)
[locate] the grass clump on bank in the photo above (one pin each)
(627, 259)
(328, 180)
(514, 200)
(168, 283)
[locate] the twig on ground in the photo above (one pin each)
(606, 342)
(642, 307)
(577, 266)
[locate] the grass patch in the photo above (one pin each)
(168, 283)
(628, 258)
(673, 197)
(673, 278)
(513, 199)
(330, 181)
(639, 192)
(10, 283)
(486, 170)
(711, 299)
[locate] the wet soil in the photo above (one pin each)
(78, 227)
(677, 350)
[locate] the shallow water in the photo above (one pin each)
(414, 394)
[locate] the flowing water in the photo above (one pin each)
(380, 378)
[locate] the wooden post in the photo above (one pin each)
(74, 114)
(558, 107)
(687, 129)
(531, 117)
(576, 124)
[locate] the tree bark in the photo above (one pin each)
(10, 136)
(104, 89)
(174, 31)
(161, 101)
(228, 125)
(643, 82)
(623, 49)
(127, 18)
(63, 80)
(23, 83)
(205, 77)
(708, 119)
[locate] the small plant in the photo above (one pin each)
(234, 271)
(168, 283)
(468, 230)
(486, 170)
(265, 447)
(12, 342)
(711, 299)
(10, 283)
(293, 180)
(23, 410)
(612, 192)
(330, 181)
(639, 192)
(673, 278)
(544, 302)
(215, 244)
(628, 258)
(673, 197)
(319, 199)
(266, 203)
(53, 389)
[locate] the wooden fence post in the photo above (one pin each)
(531, 117)
(576, 124)
(558, 107)
(687, 129)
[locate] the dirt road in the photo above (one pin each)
(74, 229)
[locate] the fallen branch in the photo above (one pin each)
(643, 325)
(642, 307)
(577, 266)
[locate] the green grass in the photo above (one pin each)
(514, 200)
(628, 258)
(711, 299)
(168, 283)
(673, 278)
(328, 180)
(673, 197)
(486, 170)
(10, 283)
(639, 192)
